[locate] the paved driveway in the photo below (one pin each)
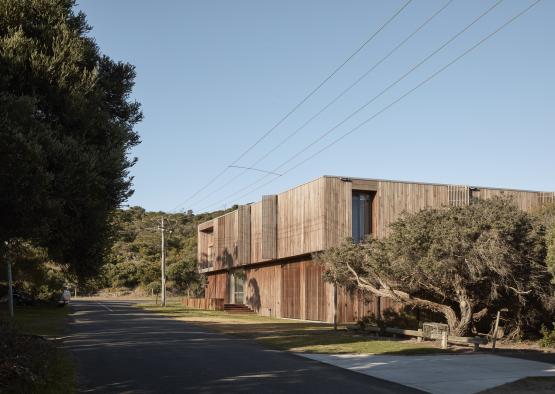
(454, 374)
(122, 349)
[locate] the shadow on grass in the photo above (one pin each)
(538, 384)
(532, 354)
(29, 362)
(290, 335)
(41, 319)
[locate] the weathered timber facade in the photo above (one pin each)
(260, 254)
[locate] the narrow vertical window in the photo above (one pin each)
(210, 259)
(362, 215)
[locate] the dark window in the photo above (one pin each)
(362, 215)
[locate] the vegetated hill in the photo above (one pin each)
(134, 261)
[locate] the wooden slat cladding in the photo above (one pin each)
(316, 298)
(365, 185)
(256, 232)
(304, 294)
(337, 211)
(244, 234)
(211, 304)
(394, 198)
(301, 219)
(318, 214)
(459, 195)
(217, 286)
(353, 305)
(295, 289)
(263, 289)
(205, 248)
(206, 225)
(546, 198)
(291, 291)
(524, 200)
(225, 234)
(269, 227)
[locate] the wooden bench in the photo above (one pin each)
(474, 341)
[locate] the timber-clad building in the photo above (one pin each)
(260, 254)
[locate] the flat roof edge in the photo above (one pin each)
(437, 184)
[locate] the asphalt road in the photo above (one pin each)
(119, 348)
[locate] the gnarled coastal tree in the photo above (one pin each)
(465, 263)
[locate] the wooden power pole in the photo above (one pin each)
(10, 286)
(5, 253)
(163, 262)
(335, 306)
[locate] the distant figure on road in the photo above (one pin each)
(66, 297)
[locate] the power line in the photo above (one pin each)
(333, 101)
(381, 93)
(256, 169)
(312, 92)
(487, 37)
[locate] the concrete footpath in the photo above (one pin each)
(454, 374)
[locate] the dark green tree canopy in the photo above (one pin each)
(546, 216)
(66, 128)
(463, 262)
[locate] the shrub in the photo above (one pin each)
(32, 364)
(390, 318)
(370, 321)
(548, 336)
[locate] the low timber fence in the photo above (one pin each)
(420, 335)
(211, 304)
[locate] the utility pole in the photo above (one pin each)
(10, 286)
(5, 252)
(335, 306)
(162, 230)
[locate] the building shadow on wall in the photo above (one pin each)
(253, 295)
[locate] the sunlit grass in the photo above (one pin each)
(291, 335)
(45, 320)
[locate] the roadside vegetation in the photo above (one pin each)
(462, 264)
(30, 360)
(290, 335)
(47, 320)
(67, 125)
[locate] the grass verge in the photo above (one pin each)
(43, 319)
(29, 361)
(291, 335)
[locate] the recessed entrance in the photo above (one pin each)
(239, 292)
(236, 287)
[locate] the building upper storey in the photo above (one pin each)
(322, 213)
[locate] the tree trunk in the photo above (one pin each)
(457, 326)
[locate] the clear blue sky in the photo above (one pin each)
(213, 76)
